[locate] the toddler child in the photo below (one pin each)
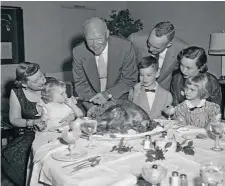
(57, 108)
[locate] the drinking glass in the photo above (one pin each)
(89, 127)
(217, 128)
(154, 173)
(169, 111)
(212, 172)
(70, 138)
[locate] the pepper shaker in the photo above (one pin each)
(147, 142)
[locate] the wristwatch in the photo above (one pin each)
(109, 95)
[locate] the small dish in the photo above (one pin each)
(197, 136)
(183, 129)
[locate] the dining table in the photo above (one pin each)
(48, 167)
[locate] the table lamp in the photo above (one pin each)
(217, 47)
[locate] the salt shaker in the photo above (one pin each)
(147, 142)
(183, 180)
(175, 180)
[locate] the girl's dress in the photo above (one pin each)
(55, 112)
(199, 115)
(16, 154)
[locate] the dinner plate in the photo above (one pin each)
(156, 131)
(167, 124)
(197, 136)
(66, 157)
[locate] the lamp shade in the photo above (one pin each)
(217, 44)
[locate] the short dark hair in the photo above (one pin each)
(165, 28)
(147, 62)
(196, 53)
(25, 70)
(48, 88)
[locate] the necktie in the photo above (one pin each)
(102, 71)
(151, 90)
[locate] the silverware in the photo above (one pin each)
(92, 159)
(85, 165)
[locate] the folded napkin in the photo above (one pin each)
(46, 149)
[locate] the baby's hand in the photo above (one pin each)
(70, 102)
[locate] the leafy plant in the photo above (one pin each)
(121, 23)
(121, 148)
(187, 149)
(157, 153)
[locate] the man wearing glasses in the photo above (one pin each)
(162, 44)
(103, 66)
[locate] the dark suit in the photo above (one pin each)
(177, 87)
(170, 63)
(122, 70)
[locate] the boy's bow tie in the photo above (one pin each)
(150, 90)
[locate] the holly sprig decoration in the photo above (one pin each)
(122, 147)
(187, 149)
(157, 153)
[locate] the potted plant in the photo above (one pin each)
(120, 23)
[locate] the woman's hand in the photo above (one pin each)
(40, 125)
(78, 112)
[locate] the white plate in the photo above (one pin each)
(64, 155)
(167, 123)
(196, 136)
(156, 131)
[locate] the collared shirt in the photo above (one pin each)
(161, 58)
(105, 55)
(151, 97)
(190, 105)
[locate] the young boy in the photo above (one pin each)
(148, 94)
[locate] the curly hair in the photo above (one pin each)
(24, 70)
(197, 54)
(201, 82)
(46, 93)
(165, 28)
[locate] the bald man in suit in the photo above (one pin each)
(104, 66)
(162, 44)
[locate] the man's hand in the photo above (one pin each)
(100, 98)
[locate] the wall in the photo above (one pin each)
(194, 21)
(42, 32)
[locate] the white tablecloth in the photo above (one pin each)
(114, 169)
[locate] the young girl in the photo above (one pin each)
(57, 108)
(195, 110)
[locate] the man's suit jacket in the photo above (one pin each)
(162, 99)
(170, 63)
(177, 88)
(122, 71)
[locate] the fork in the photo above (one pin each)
(92, 159)
(85, 165)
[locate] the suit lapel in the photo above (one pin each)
(156, 103)
(168, 64)
(90, 68)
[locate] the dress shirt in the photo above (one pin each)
(151, 97)
(161, 58)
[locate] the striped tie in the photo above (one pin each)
(102, 71)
